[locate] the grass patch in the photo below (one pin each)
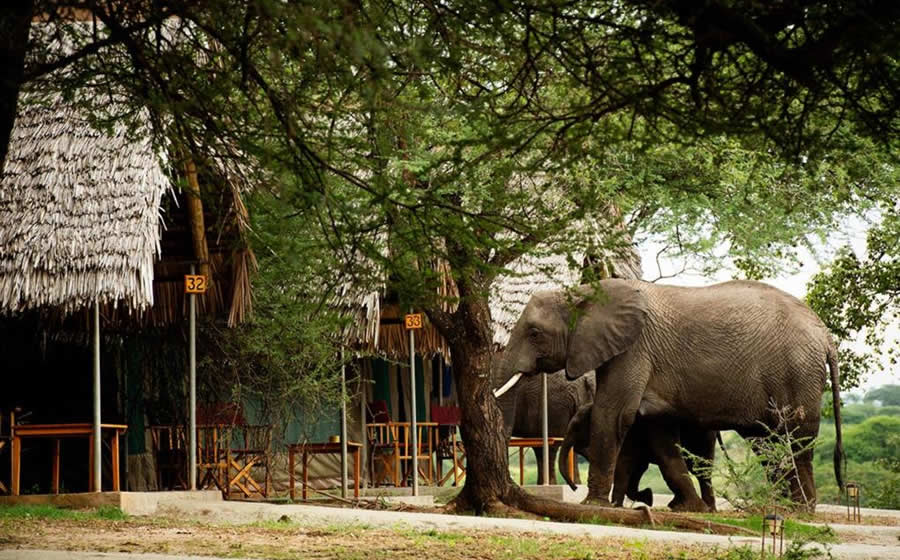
(793, 529)
(48, 511)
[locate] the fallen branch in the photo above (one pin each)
(344, 500)
(560, 511)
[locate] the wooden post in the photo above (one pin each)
(195, 214)
(291, 470)
(16, 467)
(54, 483)
(114, 449)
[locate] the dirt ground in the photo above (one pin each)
(286, 539)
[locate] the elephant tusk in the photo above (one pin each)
(507, 386)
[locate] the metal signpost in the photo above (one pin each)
(193, 284)
(413, 321)
(546, 430)
(98, 443)
(343, 426)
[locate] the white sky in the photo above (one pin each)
(793, 283)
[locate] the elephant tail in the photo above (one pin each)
(839, 458)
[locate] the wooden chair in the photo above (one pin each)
(384, 445)
(170, 454)
(250, 451)
(424, 450)
(448, 445)
(213, 457)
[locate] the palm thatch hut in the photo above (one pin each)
(91, 218)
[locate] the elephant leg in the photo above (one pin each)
(539, 457)
(634, 494)
(618, 397)
(802, 483)
(552, 463)
(631, 465)
(665, 438)
(704, 447)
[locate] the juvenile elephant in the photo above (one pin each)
(723, 356)
(520, 403)
(649, 441)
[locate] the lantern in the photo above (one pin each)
(773, 529)
(853, 512)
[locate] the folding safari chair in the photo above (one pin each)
(449, 447)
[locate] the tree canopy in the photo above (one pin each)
(396, 136)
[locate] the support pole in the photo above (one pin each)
(343, 426)
(414, 435)
(98, 443)
(192, 360)
(545, 429)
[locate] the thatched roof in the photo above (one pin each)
(529, 274)
(378, 327)
(79, 212)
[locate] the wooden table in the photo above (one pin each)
(57, 432)
(524, 442)
(308, 449)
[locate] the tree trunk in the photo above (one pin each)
(487, 478)
(15, 23)
(488, 483)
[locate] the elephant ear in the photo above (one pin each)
(606, 325)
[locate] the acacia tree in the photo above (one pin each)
(411, 135)
(862, 295)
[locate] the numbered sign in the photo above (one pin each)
(194, 283)
(414, 320)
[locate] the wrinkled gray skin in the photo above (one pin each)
(718, 356)
(650, 440)
(521, 407)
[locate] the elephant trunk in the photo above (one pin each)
(567, 445)
(839, 458)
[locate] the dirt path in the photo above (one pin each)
(881, 543)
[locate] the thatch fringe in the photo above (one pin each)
(79, 212)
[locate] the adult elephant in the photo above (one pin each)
(658, 441)
(723, 356)
(520, 403)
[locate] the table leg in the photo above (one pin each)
(396, 463)
(291, 471)
(16, 464)
(356, 460)
(91, 481)
(54, 483)
(521, 467)
(305, 473)
(114, 460)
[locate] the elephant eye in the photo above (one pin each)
(534, 333)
